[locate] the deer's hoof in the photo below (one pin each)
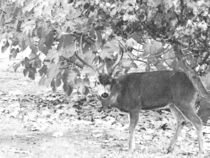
(131, 151)
(201, 154)
(169, 150)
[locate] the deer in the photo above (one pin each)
(137, 91)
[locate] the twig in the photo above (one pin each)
(3, 11)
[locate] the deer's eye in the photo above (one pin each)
(97, 83)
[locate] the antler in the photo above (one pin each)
(80, 59)
(121, 51)
(119, 58)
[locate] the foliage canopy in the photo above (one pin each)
(154, 33)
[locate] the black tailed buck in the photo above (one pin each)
(134, 92)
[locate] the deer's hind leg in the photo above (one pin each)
(188, 111)
(179, 124)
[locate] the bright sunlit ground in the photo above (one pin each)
(30, 132)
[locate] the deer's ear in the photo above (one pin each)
(100, 78)
(115, 82)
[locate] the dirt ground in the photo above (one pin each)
(78, 138)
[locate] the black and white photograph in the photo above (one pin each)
(104, 78)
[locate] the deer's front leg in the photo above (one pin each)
(134, 117)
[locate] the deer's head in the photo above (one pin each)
(106, 73)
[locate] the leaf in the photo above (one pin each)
(52, 84)
(16, 66)
(113, 12)
(126, 63)
(78, 82)
(67, 52)
(204, 110)
(43, 80)
(65, 40)
(168, 4)
(154, 3)
(22, 42)
(58, 79)
(72, 77)
(68, 89)
(25, 71)
(53, 70)
(2, 20)
(42, 56)
(36, 63)
(5, 46)
(83, 89)
(28, 7)
(58, 82)
(43, 70)
(28, 27)
(65, 75)
(14, 52)
(86, 90)
(86, 81)
(32, 72)
(40, 31)
(43, 48)
(49, 39)
(34, 50)
(134, 65)
(88, 71)
(109, 49)
(153, 48)
(52, 56)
